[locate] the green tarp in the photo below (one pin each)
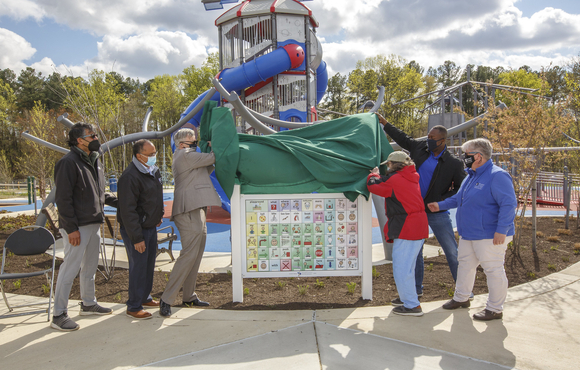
(328, 157)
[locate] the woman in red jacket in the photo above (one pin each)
(407, 225)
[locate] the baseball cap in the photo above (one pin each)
(397, 156)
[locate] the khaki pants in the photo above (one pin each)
(193, 232)
(472, 253)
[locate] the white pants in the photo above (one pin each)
(472, 253)
(83, 257)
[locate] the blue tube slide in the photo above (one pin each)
(321, 81)
(240, 78)
(251, 73)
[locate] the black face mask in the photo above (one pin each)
(192, 145)
(432, 144)
(469, 159)
(94, 145)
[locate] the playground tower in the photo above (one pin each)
(255, 28)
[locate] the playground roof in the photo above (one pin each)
(252, 8)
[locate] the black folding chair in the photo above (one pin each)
(26, 242)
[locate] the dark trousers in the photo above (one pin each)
(141, 268)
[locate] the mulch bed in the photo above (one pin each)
(557, 249)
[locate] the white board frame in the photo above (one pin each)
(238, 228)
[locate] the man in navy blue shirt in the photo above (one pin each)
(441, 174)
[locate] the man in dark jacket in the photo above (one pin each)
(441, 175)
(139, 212)
(80, 195)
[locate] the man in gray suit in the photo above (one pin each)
(193, 193)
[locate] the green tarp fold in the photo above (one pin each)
(328, 157)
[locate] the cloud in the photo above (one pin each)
(15, 49)
(151, 54)
(21, 9)
(144, 56)
(116, 17)
(431, 32)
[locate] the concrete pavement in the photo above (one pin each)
(540, 330)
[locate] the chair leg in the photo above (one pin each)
(10, 309)
(170, 250)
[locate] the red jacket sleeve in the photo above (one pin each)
(379, 185)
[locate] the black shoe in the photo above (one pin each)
(164, 308)
(486, 315)
(196, 302)
(453, 304)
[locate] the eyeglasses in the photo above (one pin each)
(94, 136)
(470, 153)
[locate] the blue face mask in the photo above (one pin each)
(151, 160)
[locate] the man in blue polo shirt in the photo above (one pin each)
(441, 174)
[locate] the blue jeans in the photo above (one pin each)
(404, 256)
(141, 268)
(443, 229)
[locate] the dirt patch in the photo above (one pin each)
(556, 249)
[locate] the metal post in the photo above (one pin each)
(34, 196)
(276, 110)
(475, 112)
(567, 194)
(565, 185)
(307, 66)
(29, 190)
(512, 161)
(534, 226)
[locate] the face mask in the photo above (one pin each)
(94, 145)
(469, 159)
(193, 145)
(151, 161)
(432, 144)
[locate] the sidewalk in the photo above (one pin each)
(540, 330)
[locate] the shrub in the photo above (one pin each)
(540, 234)
(376, 274)
(553, 239)
(280, 284)
(351, 287)
(564, 231)
(551, 267)
(302, 289)
(319, 284)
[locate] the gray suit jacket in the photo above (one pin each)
(193, 187)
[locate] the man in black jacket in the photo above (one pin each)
(80, 195)
(441, 175)
(139, 212)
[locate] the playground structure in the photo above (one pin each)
(272, 78)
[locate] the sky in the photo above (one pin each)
(145, 38)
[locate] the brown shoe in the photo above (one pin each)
(486, 315)
(139, 315)
(453, 304)
(151, 303)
